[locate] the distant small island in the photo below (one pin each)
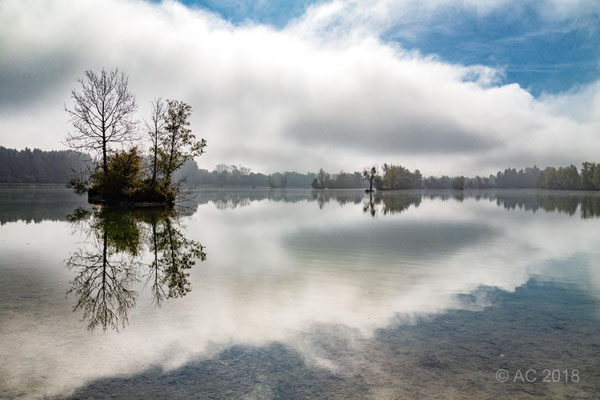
(103, 115)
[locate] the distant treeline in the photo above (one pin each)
(570, 178)
(563, 178)
(396, 177)
(37, 166)
(232, 175)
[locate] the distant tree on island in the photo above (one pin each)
(396, 177)
(369, 175)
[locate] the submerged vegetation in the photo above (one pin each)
(102, 117)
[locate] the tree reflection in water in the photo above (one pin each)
(397, 201)
(173, 256)
(390, 203)
(110, 262)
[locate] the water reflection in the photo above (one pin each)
(293, 295)
(108, 265)
(40, 204)
(391, 202)
(396, 202)
(455, 352)
(588, 204)
(37, 204)
(369, 205)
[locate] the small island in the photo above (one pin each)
(103, 116)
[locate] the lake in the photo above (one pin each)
(295, 294)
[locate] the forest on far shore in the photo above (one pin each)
(56, 167)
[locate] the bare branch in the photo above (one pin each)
(102, 113)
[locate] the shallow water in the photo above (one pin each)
(261, 294)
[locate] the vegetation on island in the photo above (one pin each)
(104, 124)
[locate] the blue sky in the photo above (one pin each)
(540, 54)
(276, 13)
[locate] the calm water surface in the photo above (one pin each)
(259, 294)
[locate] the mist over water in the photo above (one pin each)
(300, 294)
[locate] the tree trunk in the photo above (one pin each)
(154, 166)
(103, 141)
(104, 156)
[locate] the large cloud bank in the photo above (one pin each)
(326, 90)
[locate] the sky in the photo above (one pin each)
(445, 86)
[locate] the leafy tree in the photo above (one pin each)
(568, 177)
(102, 113)
(417, 179)
(321, 180)
(396, 177)
(596, 177)
(178, 145)
(550, 178)
(458, 183)
(123, 176)
(587, 175)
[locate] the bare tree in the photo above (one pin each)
(102, 113)
(245, 171)
(221, 168)
(155, 130)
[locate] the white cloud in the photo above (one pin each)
(324, 91)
